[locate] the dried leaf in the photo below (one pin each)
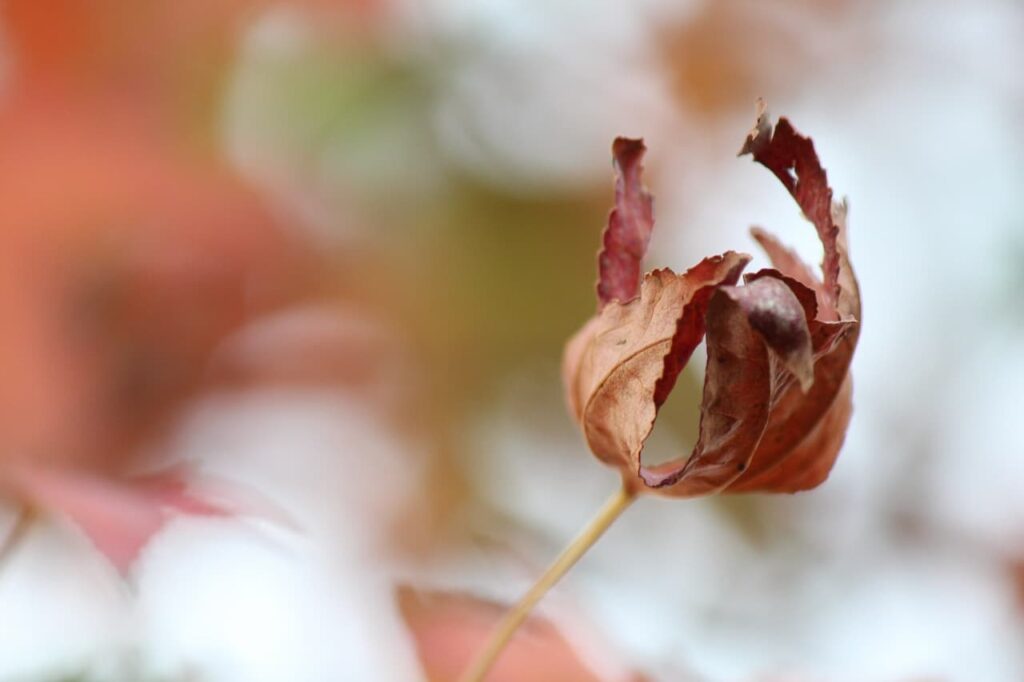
(791, 157)
(808, 426)
(734, 410)
(621, 366)
(775, 312)
(777, 396)
(629, 226)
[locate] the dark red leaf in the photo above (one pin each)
(791, 157)
(629, 226)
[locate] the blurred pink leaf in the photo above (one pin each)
(120, 516)
(117, 516)
(450, 628)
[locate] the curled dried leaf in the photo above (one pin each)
(618, 366)
(777, 395)
(734, 409)
(803, 427)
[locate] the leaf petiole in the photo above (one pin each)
(505, 629)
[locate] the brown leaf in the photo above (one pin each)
(803, 427)
(777, 396)
(757, 338)
(734, 410)
(807, 464)
(629, 226)
(618, 366)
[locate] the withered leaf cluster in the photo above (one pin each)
(777, 391)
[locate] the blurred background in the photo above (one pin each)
(284, 286)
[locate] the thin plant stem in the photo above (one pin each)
(504, 631)
(18, 531)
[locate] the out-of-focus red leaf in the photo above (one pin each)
(122, 267)
(119, 517)
(449, 629)
(124, 264)
(148, 48)
(777, 396)
(129, 251)
(708, 50)
(629, 226)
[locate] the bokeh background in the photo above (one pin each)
(321, 257)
